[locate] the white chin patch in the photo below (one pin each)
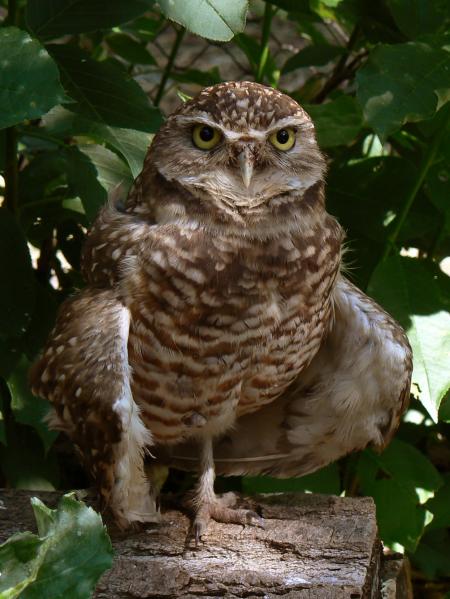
(263, 185)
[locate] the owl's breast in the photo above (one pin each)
(207, 344)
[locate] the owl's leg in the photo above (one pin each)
(208, 505)
(84, 372)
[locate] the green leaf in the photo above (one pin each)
(317, 55)
(439, 506)
(415, 17)
(129, 49)
(337, 122)
(67, 558)
(145, 28)
(27, 408)
(18, 288)
(325, 480)
(29, 78)
(131, 144)
(409, 291)
(401, 518)
(25, 464)
(214, 19)
(103, 93)
(408, 466)
(402, 83)
(54, 19)
(432, 556)
(93, 172)
(204, 78)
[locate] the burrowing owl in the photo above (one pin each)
(215, 323)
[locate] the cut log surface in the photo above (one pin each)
(312, 546)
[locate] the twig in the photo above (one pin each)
(169, 65)
(340, 72)
(267, 22)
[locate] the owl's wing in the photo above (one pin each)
(352, 394)
(84, 372)
(116, 236)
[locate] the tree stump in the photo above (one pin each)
(312, 546)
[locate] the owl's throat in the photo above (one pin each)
(262, 211)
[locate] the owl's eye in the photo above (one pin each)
(283, 139)
(205, 137)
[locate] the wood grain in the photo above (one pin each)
(313, 546)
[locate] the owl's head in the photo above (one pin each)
(240, 146)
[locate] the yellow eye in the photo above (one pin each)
(283, 139)
(205, 137)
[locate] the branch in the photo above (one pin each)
(169, 65)
(341, 71)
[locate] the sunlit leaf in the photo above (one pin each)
(410, 293)
(66, 559)
(214, 19)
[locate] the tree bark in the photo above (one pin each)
(312, 546)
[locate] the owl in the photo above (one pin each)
(216, 331)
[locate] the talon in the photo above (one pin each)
(197, 536)
(255, 520)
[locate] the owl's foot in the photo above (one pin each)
(220, 509)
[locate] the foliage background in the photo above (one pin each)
(84, 84)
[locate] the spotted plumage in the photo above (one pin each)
(215, 319)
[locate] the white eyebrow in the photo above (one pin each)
(290, 121)
(230, 134)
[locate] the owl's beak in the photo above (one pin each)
(245, 159)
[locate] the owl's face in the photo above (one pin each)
(239, 145)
